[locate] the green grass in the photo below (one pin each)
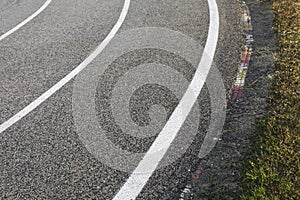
(273, 172)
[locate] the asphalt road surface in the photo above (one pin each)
(125, 93)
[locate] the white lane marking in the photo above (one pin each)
(140, 176)
(41, 9)
(71, 75)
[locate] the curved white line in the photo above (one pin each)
(140, 176)
(71, 75)
(41, 9)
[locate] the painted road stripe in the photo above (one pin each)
(71, 75)
(41, 9)
(140, 176)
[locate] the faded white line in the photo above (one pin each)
(71, 75)
(41, 9)
(140, 176)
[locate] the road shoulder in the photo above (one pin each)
(221, 172)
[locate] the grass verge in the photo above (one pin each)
(273, 172)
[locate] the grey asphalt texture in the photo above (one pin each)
(41, 156)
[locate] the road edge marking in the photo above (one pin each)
(243, 69)
(31, 17)
(71, 75)
(138, 179)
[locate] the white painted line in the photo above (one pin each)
(140, 176)
(41, 9)
(71, 75)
